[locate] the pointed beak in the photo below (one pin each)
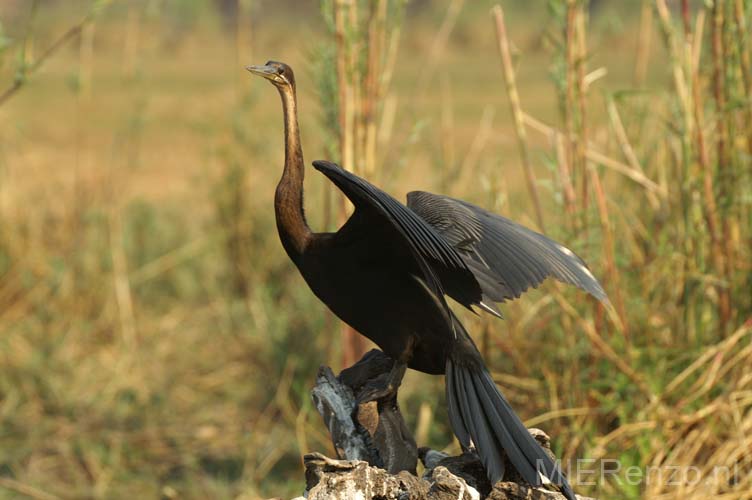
(268, 72)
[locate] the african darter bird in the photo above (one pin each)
(386, 273)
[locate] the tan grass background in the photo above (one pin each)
(156, 342)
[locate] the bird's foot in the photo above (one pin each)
(384, 387)
(377, 392)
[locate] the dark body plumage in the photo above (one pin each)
(386, 273)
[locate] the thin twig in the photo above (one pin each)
(25, 489)
(69, 35)
(479, 140)
(598, 157)
(439, 43)
(626, 147)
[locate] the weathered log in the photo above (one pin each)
(329, 479)
(378, 456)
(373, 431)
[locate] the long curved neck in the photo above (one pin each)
(288, 200)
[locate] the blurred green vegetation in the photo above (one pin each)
(156, 342)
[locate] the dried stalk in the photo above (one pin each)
(514, 100)
(448, 147)
(607, 351)
(680, 54)
(664, 16)
(345, 134)
(644, 42)
(598, 157)
(122, 285)
(376, 42)
(569, 125)
(686, 22)
(609, 249)
(710, 207)
(582, 138)
(744, 61)
(627, 150)
(724, 165)
(439, 42)
(69, 35)
(564, 176)
(352, 343)
(479, 140)
(26, 490)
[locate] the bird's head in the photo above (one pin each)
(280, 74)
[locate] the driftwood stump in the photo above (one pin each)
(377, 456)
(374, 431)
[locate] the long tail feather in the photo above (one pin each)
(484, 431)
(480, 413)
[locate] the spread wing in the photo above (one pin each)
(397, 230)
(506, 258)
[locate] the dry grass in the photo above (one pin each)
(154, 341)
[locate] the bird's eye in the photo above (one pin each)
(281, 70)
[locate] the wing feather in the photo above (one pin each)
(440, 263)
(505, 257)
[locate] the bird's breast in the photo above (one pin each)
(391, 308)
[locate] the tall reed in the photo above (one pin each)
(365, 38)
(688, 180)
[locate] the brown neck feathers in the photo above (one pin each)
(288, 201)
